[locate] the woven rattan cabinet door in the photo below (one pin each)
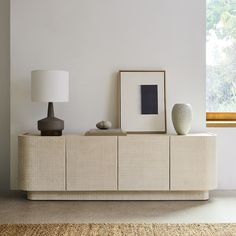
(144, 162)
(193, 162)
(41, 163)
(91, 163)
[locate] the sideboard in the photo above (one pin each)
(132, 167)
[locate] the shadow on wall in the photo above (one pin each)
(114, 102)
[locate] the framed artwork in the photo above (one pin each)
(142, 101)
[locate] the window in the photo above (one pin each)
(221, 60)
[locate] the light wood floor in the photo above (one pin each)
(221, 208)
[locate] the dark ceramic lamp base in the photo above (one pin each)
(51, 126)
(51, 132)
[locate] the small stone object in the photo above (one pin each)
(182, 118)
(105, 124)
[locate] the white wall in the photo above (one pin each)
(4, 94)
(226, 156)
(93, 40)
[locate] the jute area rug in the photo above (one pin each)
(118, 229)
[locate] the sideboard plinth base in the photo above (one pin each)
(121, 195)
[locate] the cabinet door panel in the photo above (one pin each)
(41, 163)
(91, 163)
(144, 162)
(193, 163)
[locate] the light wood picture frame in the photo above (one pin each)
(142, 101)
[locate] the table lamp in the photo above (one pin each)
(50, 86)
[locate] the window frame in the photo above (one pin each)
(221, 116)
(221, 119)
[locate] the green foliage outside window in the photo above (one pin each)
(221, 55)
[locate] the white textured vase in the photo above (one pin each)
(182, 118)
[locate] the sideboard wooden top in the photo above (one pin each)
(82, 134)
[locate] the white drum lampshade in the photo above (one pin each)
(50, 86)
